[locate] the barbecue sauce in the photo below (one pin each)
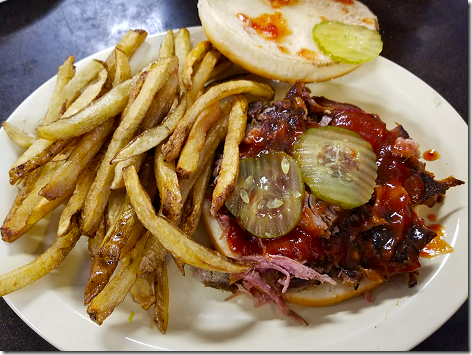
(438, 246)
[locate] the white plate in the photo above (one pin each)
(200, 319)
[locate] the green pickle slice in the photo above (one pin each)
(338, 165)
(268, 196)
(345, 43)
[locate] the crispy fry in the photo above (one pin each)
(83, 153)
(168, 186)
(221, 67)
(101, 110)
(72, 90)
(41, 266)
(161, 292)
(190, 154)
(154, 136)
(122, 70)
(202, 74)
(116, 290)
(97, 198)
(19, 171)
(195, 56)
(128, 44)
(172, 148)
(171, 237)
(75, 203)
(167, 45)
(153, 254)
(193, 206)
(90, 93)
(182, 49)
(230, 161)
(142, 292)
(18, 136)
(93, 243)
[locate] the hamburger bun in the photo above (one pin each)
(290, 57)
(316, 296)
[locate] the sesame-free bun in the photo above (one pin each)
(317, 296)
(291, 57)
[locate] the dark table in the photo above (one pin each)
(428, 38)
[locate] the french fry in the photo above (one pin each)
(64, 74)
(167, 45)
(159, 108)
(230, 161)
(171, 237)
(76, 201)
(221, 67)
(18, 136)
(72, 90)
(90, 93)
(190, 153)
(116, 290)
(168, 186)
(93, 243)
(202, 74)
(153, 254)
(172, 148)
(41, 266)
(123, 69)
(114, 204)
(83, 153)
(195, 56)
(154, 136)
(215, 136)
(161, 292)
(101, 110)
(193, 206)
(142, 292)
(97, 198)
(20, 170)
(181, 50)
(128, 44)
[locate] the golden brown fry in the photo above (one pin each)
(153, 254)
(93, 243)
(18, 136)
(202, 74)
(195, 56)
(190, 153)
(90, 93)
(161, 292)
(159, 108)
(41, 266)
(101, 110)
(123, 70)
(72, 90)
(230, 161)
(154, 136)
(168, 186)
(83, 153)
(182, 49)
(193, 206)
(97, 198)
(64, 74)
(128, 44)
(142, 292)
(75, 203)
(221, 67)
(116, 290)
(33, 208)
(114, 204)
(171, 237)
(167, 45)
(172, 148)
(21, 170)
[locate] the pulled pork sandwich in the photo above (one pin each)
(324, 204)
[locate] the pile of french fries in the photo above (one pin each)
(115, 147)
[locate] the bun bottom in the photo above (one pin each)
(317, 296)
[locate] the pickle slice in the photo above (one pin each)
(338, 165)
(345, 43)
(267, 199)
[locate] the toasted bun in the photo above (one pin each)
(316, 296)
(295, 57)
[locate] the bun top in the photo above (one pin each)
(273, 38)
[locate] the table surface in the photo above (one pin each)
(428, 38)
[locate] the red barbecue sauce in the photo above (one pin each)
(431, 155)
(438, 245)
(269, 26)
